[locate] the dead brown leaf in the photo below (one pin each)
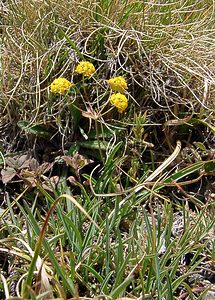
(7, 175)
(77, 162)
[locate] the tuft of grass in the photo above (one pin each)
(136, 251)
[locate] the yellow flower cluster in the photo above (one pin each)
(119, 101)
(118, 84)
(86, 68)
(60, 86)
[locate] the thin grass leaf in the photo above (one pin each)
(88, 238)
(105, 286)
(72, 44)
(169, 295)
(158, 279)
(5, 285)
(108, 252)
(121, 271)
(92, 271)
(121, 288)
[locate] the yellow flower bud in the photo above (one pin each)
(60, 86)
(86, 68)
(118, 84)
(119, 101)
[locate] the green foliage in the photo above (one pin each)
(37, 130)
(110, 259)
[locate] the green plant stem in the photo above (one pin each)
(97, 136)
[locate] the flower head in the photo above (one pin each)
(86, 68)
(60, 86)
(118, 84)
(119, 101)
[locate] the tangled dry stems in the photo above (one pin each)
(165, 57)
(165, 52)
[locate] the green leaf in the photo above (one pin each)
(121, 288)
(97, 276)
(169, 288)
(121, 271)
(33, 129)
(200, 145)
(73, 149)
(185, 172)
(76, 115)
(210, 167)
(194, 121)
(94, 145)
(104, 133)
(72, 44)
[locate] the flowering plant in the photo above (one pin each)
(119, 101)
(118, 84)
(86, 68)
(60, 86)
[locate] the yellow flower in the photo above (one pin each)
(118, 84)
(85, 68)
(60, 86)
(119, 101)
